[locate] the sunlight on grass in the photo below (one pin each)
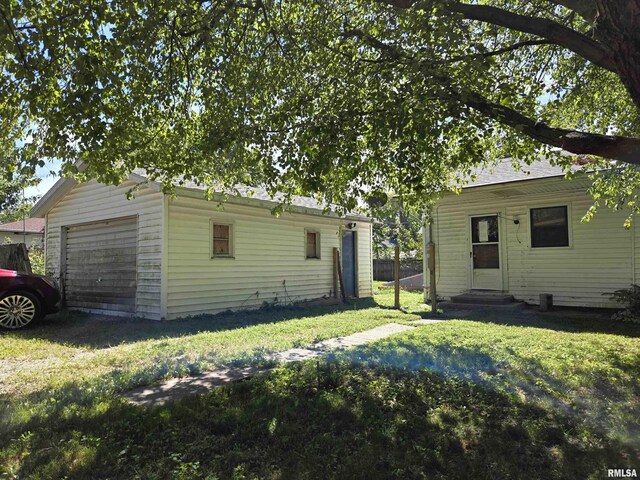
(502, 395)
(410, 301)
(175, 348)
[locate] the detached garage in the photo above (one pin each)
(162, 257)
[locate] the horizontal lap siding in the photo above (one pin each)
(29, 239)
(268, 251)
(365, 260)
(93, 202)
(451, 237)
(599, 260)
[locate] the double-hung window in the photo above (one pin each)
(549, 227)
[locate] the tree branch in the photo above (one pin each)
(578, 43)
(626, 149)
(15, 39)
(500, 51)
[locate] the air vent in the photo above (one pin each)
(508, 192)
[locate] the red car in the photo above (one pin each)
(25, 297)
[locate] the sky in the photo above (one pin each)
(47, 180)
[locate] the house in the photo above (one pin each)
(521, 233)
(159, 256)
(29, 231)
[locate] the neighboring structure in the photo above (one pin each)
(163, 257)
(29, 231)
(522, 234)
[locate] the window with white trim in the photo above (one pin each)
(549, 227)
(312, 244)
(221, 241)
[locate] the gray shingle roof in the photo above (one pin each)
(504, 172)
(256, 193)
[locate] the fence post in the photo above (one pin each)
(432, 272)
(396, 276)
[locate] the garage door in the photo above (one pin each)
(100, 268)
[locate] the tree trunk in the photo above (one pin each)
(618, 27)
(14, 256)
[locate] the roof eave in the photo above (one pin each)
(64, 185)
(269, 204)
(493, 184)
(52, 197)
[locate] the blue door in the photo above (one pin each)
(349, 263)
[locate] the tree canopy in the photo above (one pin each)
(350, 99)
(395, 224)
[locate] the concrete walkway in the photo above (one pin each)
(177, 388)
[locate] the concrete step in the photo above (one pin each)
(452, 309)
(483, 298)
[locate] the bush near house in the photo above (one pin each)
(36, 257)
(630, 298)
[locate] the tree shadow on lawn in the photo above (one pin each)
(311, 420)
(562, 319)
(102, 331)
(602, 398)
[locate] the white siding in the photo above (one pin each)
(90, 202)
(365, 259)
(269, 263)
(29, 239)
(599, 260)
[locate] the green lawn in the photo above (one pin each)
(511, 395)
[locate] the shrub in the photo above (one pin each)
(36, 257)
(630, 298)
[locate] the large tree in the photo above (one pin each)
(346, 98)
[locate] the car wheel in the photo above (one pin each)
(18, 309)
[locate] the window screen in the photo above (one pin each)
(549, 227)
(312, 245)
(221, 240)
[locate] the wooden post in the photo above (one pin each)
(396, 276)
(336, 269)
(432, 272)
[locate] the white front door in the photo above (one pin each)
(485, 253)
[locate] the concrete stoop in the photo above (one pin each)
(467, 308)
(482, 299)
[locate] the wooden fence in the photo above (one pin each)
(383, 268)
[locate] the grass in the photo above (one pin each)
(77, 348)
(510, 395)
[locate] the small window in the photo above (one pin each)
(221, 240)
(313, 244)
(549, 227)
